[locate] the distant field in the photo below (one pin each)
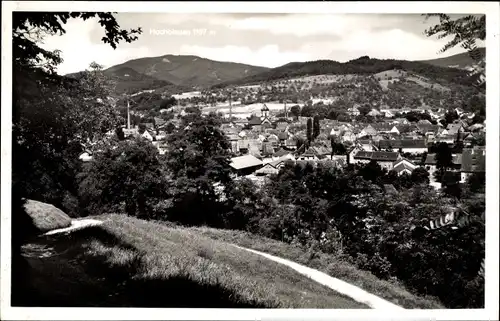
(127, 262)
(425, 83)
(385, 83)
(187, 95)
(385, 75)
(322, 79)
(246, 109)
(390, 76)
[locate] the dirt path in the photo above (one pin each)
(340, 286)
(76, 225)
(337, 285)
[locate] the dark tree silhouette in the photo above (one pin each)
(309, 130)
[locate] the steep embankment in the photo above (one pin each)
(108, 265)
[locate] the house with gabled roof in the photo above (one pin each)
(368, 131)
(309, 154)
(159, 122)
(473, 161)
(400, 121)
(281, 125)
(251, 146)
(245, 165)
(348, 136)
(385, 128)
(367, 144)
(233, 141)
(374, 113)
(424, 122)
(412, 146)
(403, 166)
(384, 159)
(274, 140)
(266, 170)
(353, 111)
(352, 151)
(454, 129)
(322, 152)
(424, 129)
(267, 149)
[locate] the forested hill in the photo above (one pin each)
(461, 60)
(362, 65)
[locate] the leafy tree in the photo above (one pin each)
(420, 176)
(316, 127)
(119, 133)
(295, 111)
(372, 172)
(309, 130)
(168, 102)
(444, 157)
(128, 173)
(450, 116)
(465, 31)
(51, 129)
(198, 157)
(476, 182)
(364, 110)
(307, 111)
(480, 140)
(55, 118)
(337, 148)
(30, 28)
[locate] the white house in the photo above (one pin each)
(403, 166)
(147, 135)
(374, 113)
(401, 121)
(354, 111)
(85, 157)
(368, 131)
(412, 146)
(348, 137)
(387, 113)
(384, 159)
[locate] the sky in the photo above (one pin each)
(268, 40)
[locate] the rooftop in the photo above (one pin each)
(245, 161)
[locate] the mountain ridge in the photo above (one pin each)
(190, 72)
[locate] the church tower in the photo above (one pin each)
(265, 112)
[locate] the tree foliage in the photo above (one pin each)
(55, 118)
(465, 31)
(129, 174)
(309, 130)
(30, 28)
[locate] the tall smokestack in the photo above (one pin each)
(230, 106)
(128, 114)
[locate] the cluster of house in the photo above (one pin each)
(154, 132)
(435, 114)
(265, 144)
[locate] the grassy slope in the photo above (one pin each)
(130, 262)
(326, 263)
(460, 60)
